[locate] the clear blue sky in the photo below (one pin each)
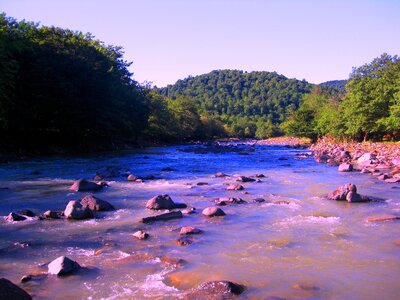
(169, 40)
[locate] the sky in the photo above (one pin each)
(170, 40)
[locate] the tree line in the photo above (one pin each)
(63, 90)
(368, 109)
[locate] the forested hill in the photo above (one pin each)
(232, 94)
(334, 85)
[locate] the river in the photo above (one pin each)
(295, 245)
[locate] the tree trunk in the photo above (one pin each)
(365, 137)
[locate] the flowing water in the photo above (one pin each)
(296, 245)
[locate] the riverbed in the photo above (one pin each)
(294, 245)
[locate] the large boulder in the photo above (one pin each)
(83, 185)
(347, 192)
(213, 212)
(76, 211)
(10, 291)
(341, 192)
(96, 204)
(63, 266)
(163, 202)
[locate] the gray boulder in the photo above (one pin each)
(76, 211)
(96, 204)
(63, 266)
(163, 202)
(213, 212)
(83, 185)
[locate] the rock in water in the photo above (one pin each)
(235, 187)
(141, 235)
(213, 212)
(345, 167)
(190, 230)
(14, 217)
(83, 185)
(163, 202)
(96, 204)
(220, 288)
(63, 266)
(341, 192)
(163, 217)
(245, 179)
(347, 192)
(10, 291)
(183, 241)
(231, 200)
(76, 211)
(220, 175)
(383, 218)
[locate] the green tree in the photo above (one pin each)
(370, 104)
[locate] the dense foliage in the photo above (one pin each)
(250, 104)
(61, 89)
(65, 89)
(370, 108)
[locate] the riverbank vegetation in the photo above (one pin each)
(63, 91)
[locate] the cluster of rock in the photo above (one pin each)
(84, 208)
(88, 205)
(378, 159)
(347, 192)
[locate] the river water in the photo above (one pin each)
(296, 245)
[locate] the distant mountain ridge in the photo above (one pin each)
(234, 93)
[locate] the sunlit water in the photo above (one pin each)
(270, 247)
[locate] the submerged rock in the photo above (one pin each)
(216, 290)
(63, 266)
(383, 218)
(96, 204)
(183, 241)
(76, 211)
(83, 185)
(51, 214)
(245, 179)
(213, 212)
(11, 291)
(163, 202)
(220, 175)
(235, 187)
(190, 230)
(163, 217)
(188, 211)
(231, 200)
(141, 235)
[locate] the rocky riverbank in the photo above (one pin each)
(381, 160)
